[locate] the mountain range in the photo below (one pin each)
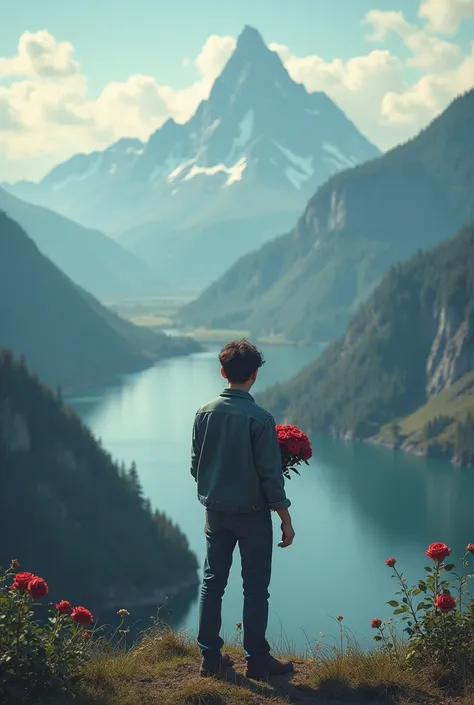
(198, 195)
(403, 372)
(66, 335)
(303, 286)
(88, 257)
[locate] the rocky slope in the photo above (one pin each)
(67, 336)
(88, 257)
(198, 195)
(403, 371)
(304, 285)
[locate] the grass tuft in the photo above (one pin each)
(162, 669)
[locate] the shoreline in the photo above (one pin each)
(403, 447)
(377, 440)
(156, 598)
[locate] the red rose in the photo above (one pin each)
(445, 602)
(22, 580)
(390, 562)
(64, 607)
(376, 623)
(37, 587)
(294, 441)
(293, 446)
(470, 548)
(81, 615)
(438, 551)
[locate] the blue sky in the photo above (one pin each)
(419, 64)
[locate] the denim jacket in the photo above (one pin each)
(235, 457)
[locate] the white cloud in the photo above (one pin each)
(428, 52)
(214, 55)
(40, 54)
(424, 99)
(373, 90)
(445, 16)
(358, 85)
(46, 112)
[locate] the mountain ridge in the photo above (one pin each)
(256, 149)
(90, 258)
(66, 335)
(304, 284)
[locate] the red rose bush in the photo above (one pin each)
(295, 448)
(437, 613)
(37, 656)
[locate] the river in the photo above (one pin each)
(353, 507)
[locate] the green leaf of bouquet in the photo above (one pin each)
(449, 567)
(393, 603)
(401, 610)
(428, 570)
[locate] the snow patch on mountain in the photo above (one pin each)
(170, 168)
(246, 129)
(301, 168)
(133, 150)
(234, 172)
(209, 130)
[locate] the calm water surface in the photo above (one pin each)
(353, 507)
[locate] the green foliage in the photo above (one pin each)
(36, 657)
(377, 372)
(69, 510)
(304, 285)
(442, 636)
(68, 337)
(436, 426)
(464, 443)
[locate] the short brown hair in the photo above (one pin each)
(240, 359)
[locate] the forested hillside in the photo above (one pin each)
(409, 351)
(68, 511)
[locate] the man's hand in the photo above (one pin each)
(287, 534)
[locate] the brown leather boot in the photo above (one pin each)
(261, 669)
(215, 665)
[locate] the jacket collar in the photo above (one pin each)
(228, 392)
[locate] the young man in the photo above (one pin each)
(236, 463)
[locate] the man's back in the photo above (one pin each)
(235, 455)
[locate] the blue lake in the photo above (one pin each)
(353, 507)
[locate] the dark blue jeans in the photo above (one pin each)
(253, 534)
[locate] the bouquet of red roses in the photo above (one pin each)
(295, 448)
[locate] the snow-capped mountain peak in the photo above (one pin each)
(258, 147)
